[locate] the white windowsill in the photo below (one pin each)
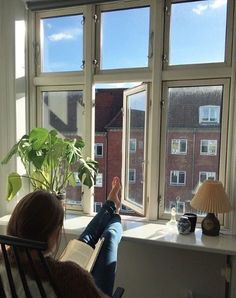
(155, 234)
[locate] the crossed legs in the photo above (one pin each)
(107, 224)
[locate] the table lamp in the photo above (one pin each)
(211, 198)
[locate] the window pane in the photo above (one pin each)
(202, 154)
(108, 133)
(136, 111)
(197, 32)
(61, 43)
(125, 38)
(63, 111)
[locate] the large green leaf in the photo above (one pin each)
(37, 158)
(14, 149)
(38, 137)
(14, 184)
(87, 171)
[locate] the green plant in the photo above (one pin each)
(50, 162)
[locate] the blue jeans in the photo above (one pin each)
(105, 224)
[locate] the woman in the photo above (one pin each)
(39, 216)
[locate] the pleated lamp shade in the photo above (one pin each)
(211, 197)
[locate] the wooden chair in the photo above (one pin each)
(20, 246)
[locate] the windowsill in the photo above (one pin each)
(144, 231)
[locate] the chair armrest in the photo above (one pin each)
(118, 292)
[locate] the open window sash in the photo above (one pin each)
(134, 148)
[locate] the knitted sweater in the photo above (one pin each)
(71, 280)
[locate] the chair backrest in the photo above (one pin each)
(24, 247)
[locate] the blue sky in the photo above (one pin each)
(197, 35)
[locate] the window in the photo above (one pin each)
(99, 180)
(132, 145)
(181, 122)
(132, 175)
(98, 150)
(208, 147)
(167, 145)
(209, 114)
(177, 177)
(61, 43)
(63, 110)
(178, 146)
(197, 32)
(122, 33)
(135, 116)
(206, 175)
(97, 206)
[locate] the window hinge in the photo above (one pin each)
(83, 20)
(162, 103)
(167, 10)
(95, 63)
(165, 58)
(95, 18)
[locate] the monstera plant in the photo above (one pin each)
(51, 162)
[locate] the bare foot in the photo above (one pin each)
(113, 195)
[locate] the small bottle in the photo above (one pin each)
(172, 223)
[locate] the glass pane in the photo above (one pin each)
(63, 111)
(203, 140)
(61, 43)
(197, 32)
(125, 38)
(136, 113)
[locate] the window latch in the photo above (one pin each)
(95, 62)
(95, 18)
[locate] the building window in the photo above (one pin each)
(178, 146)
(177, 177)
(178, 205)
(98, 150)
(209, 114)
(132, 145)
(208, 147)
(132, 175)
(97, 206)
(206, 175)
(99, 180)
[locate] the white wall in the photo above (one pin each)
(10, 11)
(151, 271)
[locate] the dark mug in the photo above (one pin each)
(192, 217)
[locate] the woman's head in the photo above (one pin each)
(36, 217)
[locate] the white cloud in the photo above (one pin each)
(66, 35)
(217, 3)
(212, 4)
(200, 8)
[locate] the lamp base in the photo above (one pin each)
(211, 225)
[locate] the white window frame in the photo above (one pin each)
(177, 174)
(208, 146)
(134, 175)
(167, 76)
(208, 175)
(96, 145)
(99, 177)
(209, 109)
(178, 141)
(133, 142)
